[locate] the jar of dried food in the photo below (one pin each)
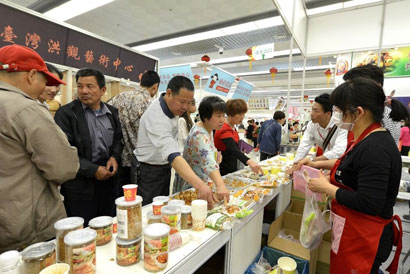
(80, 251)
(171, 215)
(163, 199)
(129, 217)
(177, 202)
(63, 227)
(156, 247)
(128, 252)
(152, 218)
(103, 226)
(38, 256)
(186, 218)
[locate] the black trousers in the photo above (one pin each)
(102, 204)
(385, 248)
(405, 151)
(124, 178)
(153, 180)
(264, 156)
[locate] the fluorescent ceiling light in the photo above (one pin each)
(315, 67)
(250, 26)
(340, 6)
(74, 8)
(292, 89)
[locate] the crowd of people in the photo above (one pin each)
(92, 148)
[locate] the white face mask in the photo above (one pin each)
(338, 119)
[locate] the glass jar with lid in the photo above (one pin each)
(128, 252)
(156, 238)
(186, 218)
(103, 226)
(163, 199)
(63, 227)
(38, 256)
(129, 218)
(80, 248)
(171, 215)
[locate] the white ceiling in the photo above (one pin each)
(133, 21)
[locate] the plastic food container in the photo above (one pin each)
(163, 199)
(156, 247)
(186, 218)
(177, 202)
(103, 226)
(10, 262)
(128, 252)
(129, 217)
(63, 227)
(171, 215)
(38, 256)
(80, 251)
(152, 218)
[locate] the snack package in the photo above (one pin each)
(218, 221)
(299, 182)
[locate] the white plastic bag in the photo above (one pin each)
(314, 224)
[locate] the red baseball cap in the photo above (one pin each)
(20, 58)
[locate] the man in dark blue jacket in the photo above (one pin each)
(93, 127)
(270, 135)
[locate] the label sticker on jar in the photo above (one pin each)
(84, 259)
(127, 255)
(122, 220)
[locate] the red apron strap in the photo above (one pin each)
(398, 236)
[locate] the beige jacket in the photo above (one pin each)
(35, 157)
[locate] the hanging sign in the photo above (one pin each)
(166, 74)
(243, 90)
(263, 52)
(220, 82)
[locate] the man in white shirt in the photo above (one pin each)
(317, 132)
(157, 145)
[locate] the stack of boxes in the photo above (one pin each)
(290, 222)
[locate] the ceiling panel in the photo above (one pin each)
(128, 21)
(24, 3)
(241, 40)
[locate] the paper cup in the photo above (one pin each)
(156, 207)
(130, 192)
(287, 265)
(59, 268)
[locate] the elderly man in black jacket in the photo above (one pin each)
(93, 127)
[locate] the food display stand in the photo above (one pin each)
(242, 241)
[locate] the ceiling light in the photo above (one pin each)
(338, 6)
(74, 8)
(250, 26)
(315, 67)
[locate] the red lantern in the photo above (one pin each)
(206, 58)
(328, 74)
(196, 78)
(273, 71)
(250, 55)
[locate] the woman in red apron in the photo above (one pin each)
(364, 183)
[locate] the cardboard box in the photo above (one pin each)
(290, 223)
(296, 206)
(323, 257)
(298, 195)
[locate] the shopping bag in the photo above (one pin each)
(299, 182)
(314, 224)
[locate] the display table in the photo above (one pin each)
(243, 243)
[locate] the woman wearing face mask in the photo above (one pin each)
(364, 182)
(200, 152)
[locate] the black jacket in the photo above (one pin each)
(71, 119)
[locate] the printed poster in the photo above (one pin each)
(243, 90)
(166, 74)
(220, 82)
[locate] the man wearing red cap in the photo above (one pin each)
(35, 155)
